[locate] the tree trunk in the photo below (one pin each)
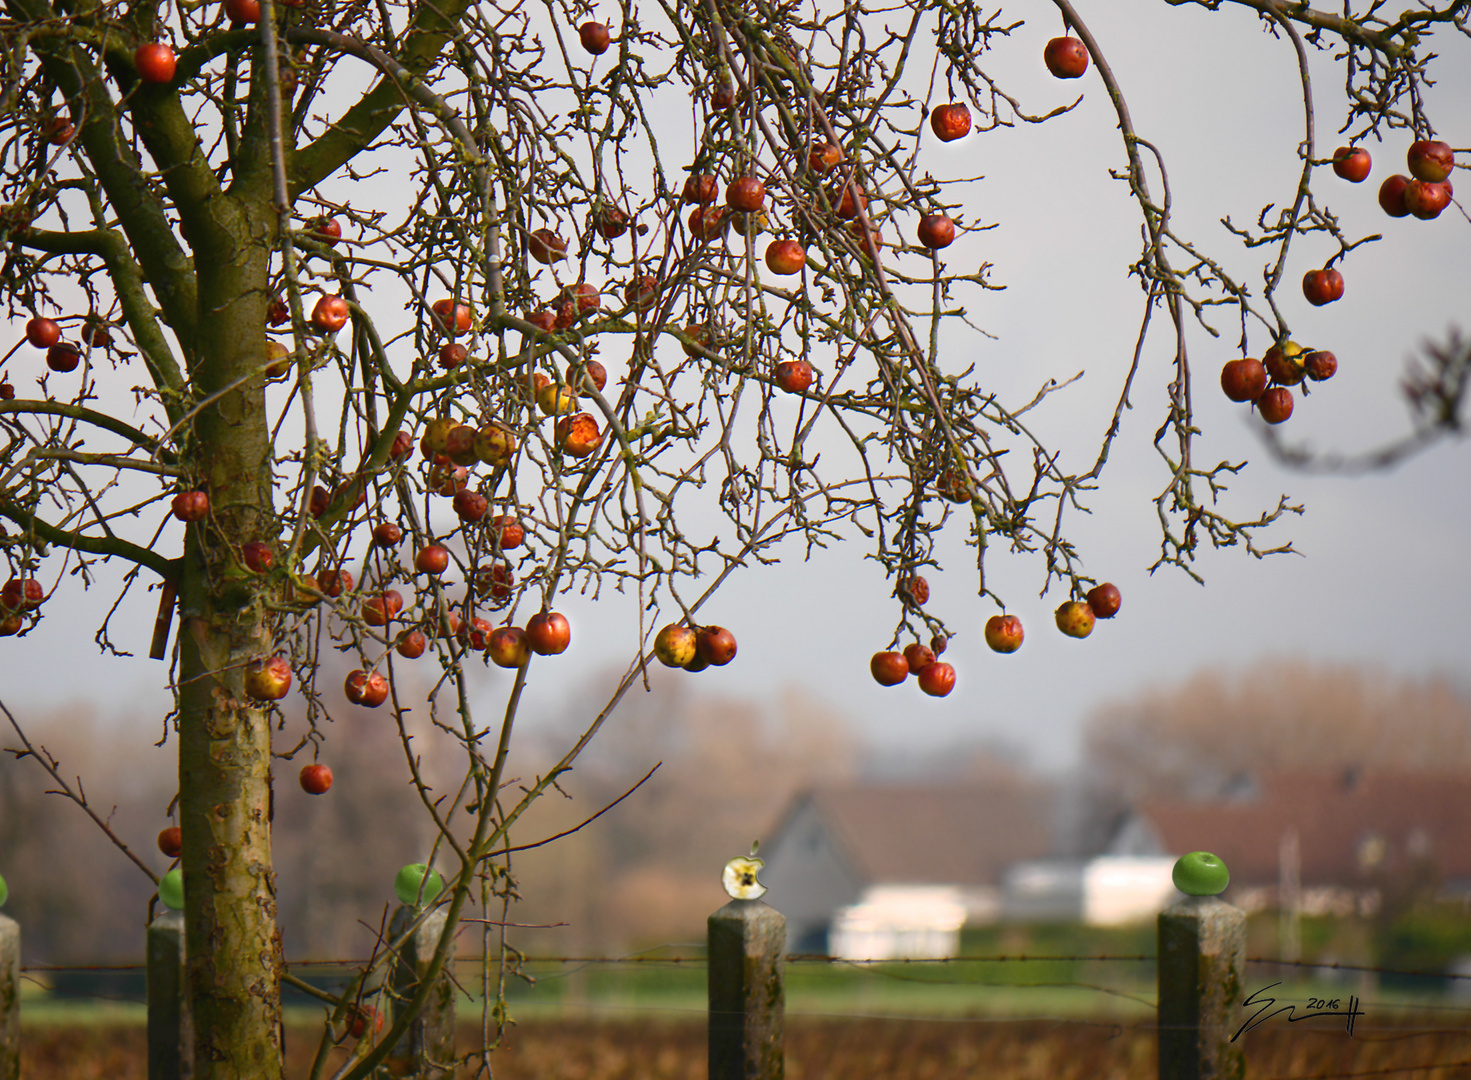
(233, 945)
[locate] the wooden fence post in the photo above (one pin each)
(170, 1033)
(427, 1050)
(1202, 951)
(9, 998)
(747, 955)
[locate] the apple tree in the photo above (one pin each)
(378, 327)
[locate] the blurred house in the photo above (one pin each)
(1317, 842)
(894, 869)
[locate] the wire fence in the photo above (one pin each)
(888, 1017)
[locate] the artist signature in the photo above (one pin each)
(1321, 1007)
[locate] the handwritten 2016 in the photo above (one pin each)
(1318, 1007)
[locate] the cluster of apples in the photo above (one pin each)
(1284, 365)
(1425, 192)
(18, 597)
(1075, 618)
(694, 648)
(935, 677)
(61, 356)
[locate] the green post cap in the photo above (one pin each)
(171, 889)
(406, 884)
(1201, 874)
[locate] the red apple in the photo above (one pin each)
(594, 373)
(386, 534)
(330, 314)
(548, 633)
(579, 435)
(918, 657)
(954, 485)
(937, 679)
(317, 505)
(327, 229)
(268, 680)
(823, 157)
(242, 11)
(595, 37)
(58, 131)
(155, 62)
(378, 610)
(447, 479)
(1430, 160)
(63, 357)
(7, 392)
(914, 589)
(1325, 286)
(506, 531)
(794, 376)
(951, 122)
(700, 188)
(1392, 196)
(315, 779)
(1004, 633)
(938, 644)
(470, 505)
(1320, 364)
(22, 594)
(1352, 163)
(171, 841)
(190, 506)
(43, 333)
(708, 222)
(641, 292)
(1275, 405)
(1075, 618)
(715, 645)
(366, 688)
(257, 556)
(546, 247)
(785, 257)
(849, 201)
(1244, 379)
(459, 445)
(496, 583)
(611, 223)
(95, 333)
(432, 559)
(936, 231)
(450, 317)
(746, 194)
(1423, 198)
(10, 625)
(452, 355)
(1066, 57)
(277, 312)
(889, 668)
(1105, 600)
(411, 644)
(474, 635)
(403, 445)
(335, 582)
(508, 647)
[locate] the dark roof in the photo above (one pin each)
(951, 834)
(1416, 815)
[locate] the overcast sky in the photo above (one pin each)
(1382, 576)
